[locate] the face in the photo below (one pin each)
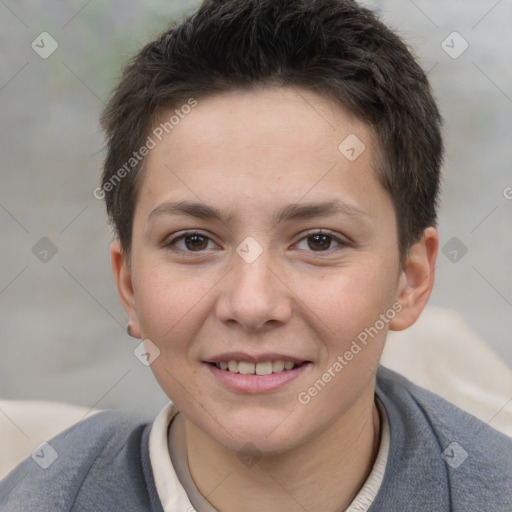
(258, 242)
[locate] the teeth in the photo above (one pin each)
(246, 368)
(277, 366)
(265, 368)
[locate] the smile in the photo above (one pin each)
(256, 377)
(262, 368)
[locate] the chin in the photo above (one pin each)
(271, 437)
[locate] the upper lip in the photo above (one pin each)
(254, 358)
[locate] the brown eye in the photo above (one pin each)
(189, 242)
(195, 242)
(319, 242)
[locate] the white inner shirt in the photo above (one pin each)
(177, 490)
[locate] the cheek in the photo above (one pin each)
(171, 308)
(169, 304)
(354, 332)
(351, 300)
(348, 314)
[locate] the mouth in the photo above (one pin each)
(256, 374)
(261, 368)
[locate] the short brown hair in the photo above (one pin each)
(333, 47)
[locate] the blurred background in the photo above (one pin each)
(61, 326)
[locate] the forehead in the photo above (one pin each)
(268, 116)
(260, 144)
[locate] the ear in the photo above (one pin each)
(121, 271)
(416, 280)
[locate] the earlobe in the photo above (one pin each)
(416, 280)
(122, 276)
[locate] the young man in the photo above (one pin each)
(272, 175)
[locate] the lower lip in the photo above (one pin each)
(256, 384)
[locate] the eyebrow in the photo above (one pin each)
(289, 212)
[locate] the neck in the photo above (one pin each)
(324, 474)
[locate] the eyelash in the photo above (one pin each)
(171, 244)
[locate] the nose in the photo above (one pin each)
(254, 296)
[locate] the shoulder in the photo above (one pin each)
(438, 448)
(101, 459)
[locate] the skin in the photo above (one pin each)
(250, 154)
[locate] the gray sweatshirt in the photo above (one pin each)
(441, 459)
